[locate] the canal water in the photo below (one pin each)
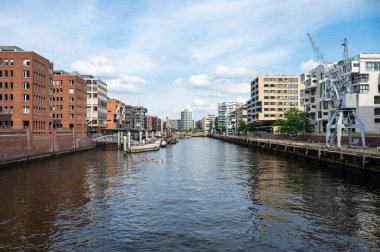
(199, 195)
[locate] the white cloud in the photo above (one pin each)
(308, 65)
(200, 80)
(125, 84)
(98, 66)
(230, 72)
(178, 81)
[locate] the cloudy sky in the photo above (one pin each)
(169, 55)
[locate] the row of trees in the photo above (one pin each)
(295, 122)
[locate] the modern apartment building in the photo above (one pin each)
(25, 90)
(363, 74)
(187, 119)
(96, 103)
(139, 117)
(241, 114)
(224, 110)
(271, 97)
(116, 115)
(69, 102)
(173, 124)
(208, 123)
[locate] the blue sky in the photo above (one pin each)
(168, 55)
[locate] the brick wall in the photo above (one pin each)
(22, 144)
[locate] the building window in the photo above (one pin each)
(26, 74)
(11, 109)
(376, 99)
(1, 61)
(25, 85)
(71, 99)
(11, 85)
(11, 97)
(71, 91)
(71, 116)
(71, 82)
(25, 97)
(11, 62)
(6, 62)
(377, 120)
(11, 73)
(372, 66)
(364, 89)
(26, 62)
(25, 110)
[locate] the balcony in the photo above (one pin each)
(312, 82)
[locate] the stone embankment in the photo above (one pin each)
(357, 160)
(17, 146)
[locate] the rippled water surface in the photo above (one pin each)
(199, 195)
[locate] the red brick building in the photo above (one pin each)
(25, 90)
(69, 102)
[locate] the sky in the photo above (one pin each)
(171, 55)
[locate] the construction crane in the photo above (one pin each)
(344, 102)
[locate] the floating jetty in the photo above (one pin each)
(144, 148)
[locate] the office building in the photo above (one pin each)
(187, 119)
(25, 90)
(271, 97)
(69, 102)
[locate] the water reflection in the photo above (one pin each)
(201, 194)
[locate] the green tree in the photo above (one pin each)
(223, 129)
(242, 126)
(251, 126)
(296, 122)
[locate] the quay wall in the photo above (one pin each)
(371, 140)
(22, 146)
(356, 161)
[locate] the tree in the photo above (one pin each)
(242, 126)
(296, 121)
(251, 126)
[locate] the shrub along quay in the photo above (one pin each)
(355, 160)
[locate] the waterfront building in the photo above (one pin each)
(187, 119)
(155, 123)
(128, 117)
(364, 80)
(148, 122)
(116, 119)
(208, 123)
(231, 122)
(25, 90)
(96, 103)
(224, 110)
(69, 101)
(271, 97)
(139, 117)
(173, 124)
(241, 114)
(159, 124)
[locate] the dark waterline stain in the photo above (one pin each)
(205, 195)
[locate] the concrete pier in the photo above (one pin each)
(356, 160)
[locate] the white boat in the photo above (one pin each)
(163, 143)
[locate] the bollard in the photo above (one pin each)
(140, 137)
(125, 143)
(146, 136)
(129, 140)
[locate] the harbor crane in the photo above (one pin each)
(336, 78)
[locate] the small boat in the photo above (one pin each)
(163, 144)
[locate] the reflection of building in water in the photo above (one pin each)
(286, 185)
